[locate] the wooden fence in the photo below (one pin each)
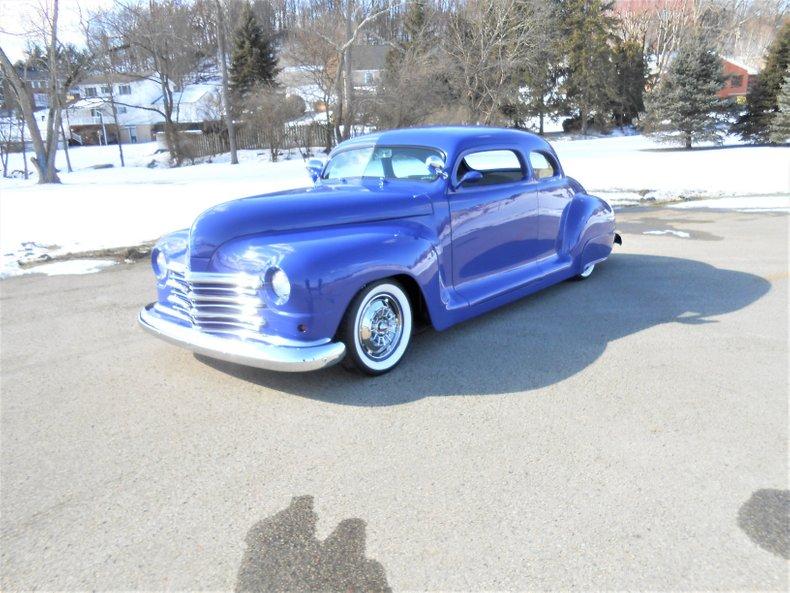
(196, 145)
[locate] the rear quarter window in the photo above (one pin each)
(543, 166)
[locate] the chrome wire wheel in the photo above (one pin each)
(380, 326)
(377, 328)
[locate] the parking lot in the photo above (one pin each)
(628, 431)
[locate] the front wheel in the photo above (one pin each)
(377, 328)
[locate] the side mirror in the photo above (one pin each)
(468, 177)
(436, 166)
(315, 167)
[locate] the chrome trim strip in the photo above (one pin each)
(256, 354)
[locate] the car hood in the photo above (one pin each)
(323, 205)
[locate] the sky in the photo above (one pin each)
(19, 18)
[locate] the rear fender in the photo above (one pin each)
(587, 218)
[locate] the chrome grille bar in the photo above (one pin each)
(217, 303)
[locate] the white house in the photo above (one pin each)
(90, 118)
(138, 103)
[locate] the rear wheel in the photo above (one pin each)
(377, 328)
(586, 272)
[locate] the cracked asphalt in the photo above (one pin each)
(625, 432)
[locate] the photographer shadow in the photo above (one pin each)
(283, 554)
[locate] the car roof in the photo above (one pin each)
(453, 140)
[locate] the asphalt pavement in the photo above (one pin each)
(625, 432)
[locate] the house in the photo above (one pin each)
(367, 66)
(138, 104)
(195, 103)
(367, 62)
(37, 81)
(90, 118)
(738, 79)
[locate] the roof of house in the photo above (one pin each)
(369, 57)
(192, 93)
(104, 78)
(751, 70)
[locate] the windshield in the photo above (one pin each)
(387, 162)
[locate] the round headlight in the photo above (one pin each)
(281, 286)
(160, 269)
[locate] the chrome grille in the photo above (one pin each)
(217, 303)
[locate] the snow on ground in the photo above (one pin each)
(70, 267)
(116, 207)
(629, 169)
(104, 208)
(776, 203)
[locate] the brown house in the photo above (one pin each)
(738, 78)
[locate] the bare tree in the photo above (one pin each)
(492, 42)
(269, 111)
(45, 146)
(332, 29)
(156, 41)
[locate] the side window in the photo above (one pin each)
(542, 165)
(497, 166)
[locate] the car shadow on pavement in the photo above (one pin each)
(283, 554)
(536, 341)
(765, 518)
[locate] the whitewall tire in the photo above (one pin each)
(586, 272)
(377, 328)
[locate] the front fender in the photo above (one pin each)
(328, 266)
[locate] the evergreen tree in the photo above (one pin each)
(537, 95)
(684, 107)
(254, 58)
(780, 124)
(587, 32)
(629, 84)
(761, 100)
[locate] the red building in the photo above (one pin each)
(738, 78)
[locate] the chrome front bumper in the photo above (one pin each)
(255, 354)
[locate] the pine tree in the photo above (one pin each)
(629, 84)
(761, 100)
(684, 107)
(588, 30)
(254, 58)
(780, 124)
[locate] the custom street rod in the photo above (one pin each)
(427, 224)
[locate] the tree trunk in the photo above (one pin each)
(339, 111)
(688, 140)
(53, 122)
(171, 138)
(349, 82)
(24, 147)
(228, 111)
(66, 147)
(114, 109)
(583, 114)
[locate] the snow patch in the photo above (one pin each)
(61, 268)
(681, 234)
(780, 203)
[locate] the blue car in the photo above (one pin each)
(430, 225)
